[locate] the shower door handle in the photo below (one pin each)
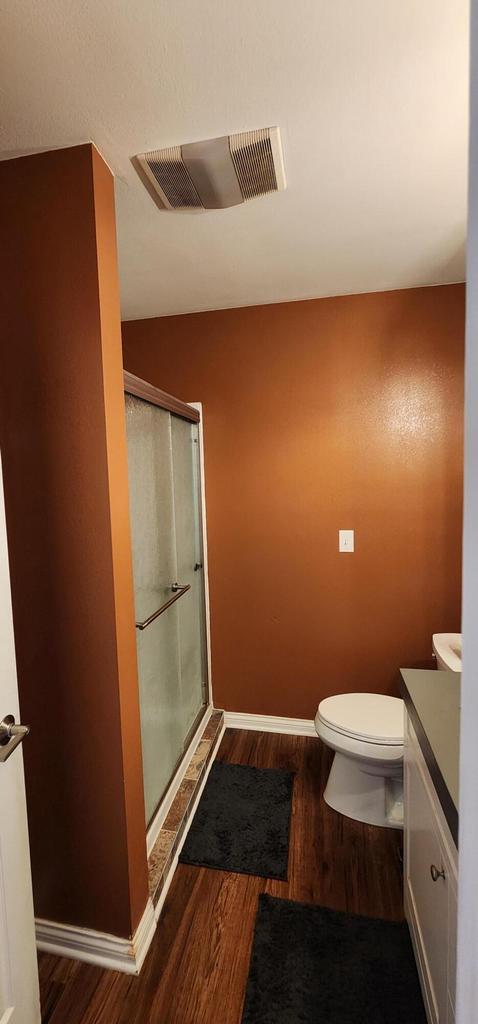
(178, 590)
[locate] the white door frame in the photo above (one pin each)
(19, 992)
(467, 970)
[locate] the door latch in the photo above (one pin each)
(11, 735)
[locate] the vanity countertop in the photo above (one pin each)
(432, 699)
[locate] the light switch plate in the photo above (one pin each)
(346, 540)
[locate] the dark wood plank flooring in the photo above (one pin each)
(196, 969)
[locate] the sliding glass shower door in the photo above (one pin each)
(165, 509)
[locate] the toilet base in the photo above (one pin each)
(372, 798)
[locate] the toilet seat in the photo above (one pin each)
(372, 718)
(361, 750)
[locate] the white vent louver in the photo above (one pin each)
(214, 174)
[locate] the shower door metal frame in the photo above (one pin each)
(133, 385)
(143, 389)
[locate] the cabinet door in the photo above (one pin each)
(428, 898)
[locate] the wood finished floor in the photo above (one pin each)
(197, 966)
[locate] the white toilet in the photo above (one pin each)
(366, 777)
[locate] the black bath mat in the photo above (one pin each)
(317, 966)
(242, 822)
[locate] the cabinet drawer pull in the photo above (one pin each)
(436, 873)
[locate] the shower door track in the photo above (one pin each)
(142, 389)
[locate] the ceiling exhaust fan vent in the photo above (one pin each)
(169, 172)
(253, 160)
(216, 173)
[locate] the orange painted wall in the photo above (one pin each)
(319, 415)
(62, 437)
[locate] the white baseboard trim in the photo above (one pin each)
(169, 877)
(270, 723)
(111, 951)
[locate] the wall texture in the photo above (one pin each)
(62, 437)
(319, 415)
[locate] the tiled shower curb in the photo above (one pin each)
(164, 850)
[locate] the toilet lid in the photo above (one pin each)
(373, 717)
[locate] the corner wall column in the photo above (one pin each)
(62, 437)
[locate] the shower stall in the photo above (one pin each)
(164, 468)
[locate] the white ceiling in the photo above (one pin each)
(371, 99)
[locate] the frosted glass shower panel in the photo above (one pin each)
(187, 513)
(163, 469)
(150, 473)
(162, 729)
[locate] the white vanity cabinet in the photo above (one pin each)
(430, 881)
